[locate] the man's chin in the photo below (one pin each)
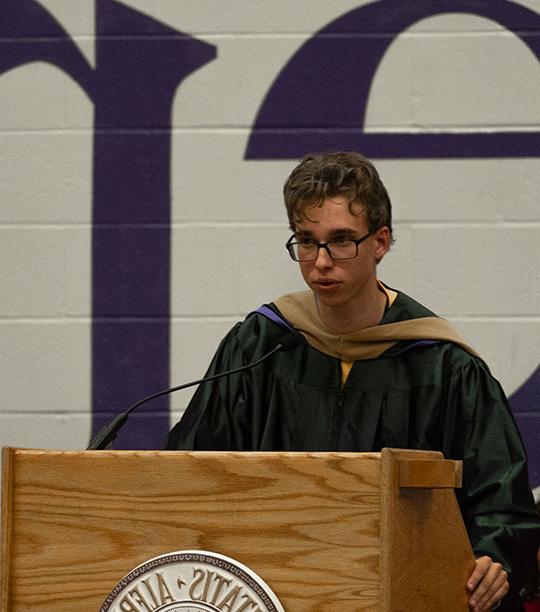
(329, 299)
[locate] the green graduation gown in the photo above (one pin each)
(417, 395)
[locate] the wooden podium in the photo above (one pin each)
(328, 532)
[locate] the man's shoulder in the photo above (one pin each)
(261, 330)
(405, 308)
(415, 325)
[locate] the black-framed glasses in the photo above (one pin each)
(337, 248)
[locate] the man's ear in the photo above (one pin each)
(382, 241)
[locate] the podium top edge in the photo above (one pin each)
(35, 452)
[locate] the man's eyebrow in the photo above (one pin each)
(343, 230)
(304, 234)
(340, 231)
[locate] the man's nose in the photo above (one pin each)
(323, 258)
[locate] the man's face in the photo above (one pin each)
(338, 283)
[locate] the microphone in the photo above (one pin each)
(106, 435)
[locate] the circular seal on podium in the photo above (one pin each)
(191, 581)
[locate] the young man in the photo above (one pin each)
(373, 369)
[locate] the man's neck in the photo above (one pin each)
(361, 314)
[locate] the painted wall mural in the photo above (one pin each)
(317, 100)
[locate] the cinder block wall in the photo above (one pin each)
(467, 229)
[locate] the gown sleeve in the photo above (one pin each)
(216, 418)
(496, 500)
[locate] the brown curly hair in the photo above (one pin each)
(319, 176)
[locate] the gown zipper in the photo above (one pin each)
(336, 422)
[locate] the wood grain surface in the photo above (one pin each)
(430, 474)
(426, 556)
(308, 524)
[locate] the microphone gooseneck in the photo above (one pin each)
(105, 436)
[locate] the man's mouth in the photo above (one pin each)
(326, 282)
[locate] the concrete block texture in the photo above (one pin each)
(473, 79)
(45, 366)
(248, 265)
(466, 270)
(45, 176)
(467, 229)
